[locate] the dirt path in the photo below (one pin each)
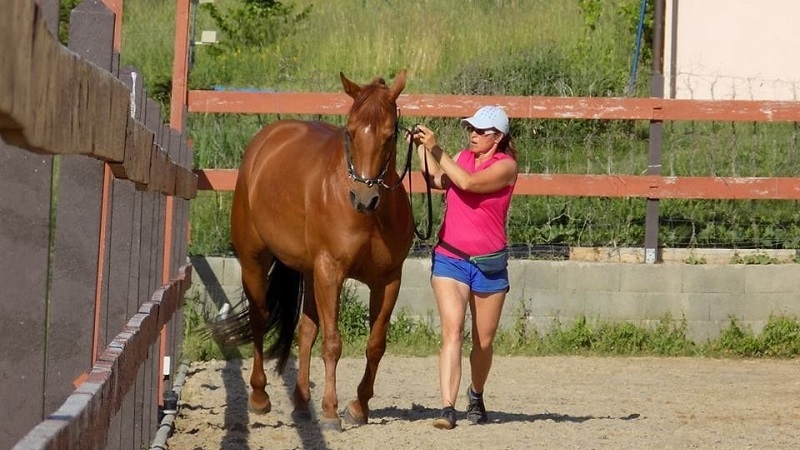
(547, 402)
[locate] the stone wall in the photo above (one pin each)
(705, 295)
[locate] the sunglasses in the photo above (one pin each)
(479, 132)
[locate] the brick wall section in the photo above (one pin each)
(84, 416)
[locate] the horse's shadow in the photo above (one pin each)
(419, 412)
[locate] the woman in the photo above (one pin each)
(478, 184)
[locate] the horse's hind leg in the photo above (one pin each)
(306, 336)
(381, 303)
(255, 281)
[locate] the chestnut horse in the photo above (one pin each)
(315, 204)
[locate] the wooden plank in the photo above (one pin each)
(107, 118)
(131, 167)
(185, 183)
(18, 19)
(74, 275)
(116, 123)
(131, 433)
(604, 108)
(98, 122)
(158, 169)
(733, 110)
(126, 419)
(121, 237)
(528, 106)
(138, 153)
(277, 103)
(217, 179)
(139, 417)
(25, 180)
(660, 187)
(44, 67)
(86, 86)
(180, 65)
(774, 188)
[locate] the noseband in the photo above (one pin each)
(351, 170)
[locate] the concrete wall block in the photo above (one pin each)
(555, 303)
(417, 267)
(417, 298)
(217, 266)
(615, 305)
(701, 331)
(713, 306)
(657, 305)
(590, 276)
(234, 294)
(231, 274)
(784, 304)
(517, 309)
(763, 305)
(772, 278)
(539, 275)
(705, 278)
(651, 278)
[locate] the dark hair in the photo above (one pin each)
(507, 146)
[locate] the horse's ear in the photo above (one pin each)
(399, 84)
(349, 87)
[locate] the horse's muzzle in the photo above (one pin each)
(365, 200)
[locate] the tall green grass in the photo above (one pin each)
(487, 47)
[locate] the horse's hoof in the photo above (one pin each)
(259, 407)
(334, 424)
(301, 416)
(351, 419)
(259, 411)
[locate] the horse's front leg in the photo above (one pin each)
(382, 299)
(306, 336)
(327, 288)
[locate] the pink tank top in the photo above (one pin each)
(475, 223)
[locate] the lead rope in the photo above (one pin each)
(406, 171)
(427, 172)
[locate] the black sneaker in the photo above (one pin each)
(446, 420)
(476, 411)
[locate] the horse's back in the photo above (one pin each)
(285, 145)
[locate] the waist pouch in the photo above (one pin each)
(489, 264)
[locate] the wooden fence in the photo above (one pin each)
(651, 186)
(93, 232)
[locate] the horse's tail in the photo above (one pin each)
(284, 300)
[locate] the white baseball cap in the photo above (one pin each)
(488, 117)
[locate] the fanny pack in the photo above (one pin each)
(489, 264)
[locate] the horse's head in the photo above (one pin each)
(371, 141)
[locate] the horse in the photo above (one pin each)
(315, 204)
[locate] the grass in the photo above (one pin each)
(414, 336)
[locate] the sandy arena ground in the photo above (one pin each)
(545, 402)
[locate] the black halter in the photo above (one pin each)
(352, 175)
(351, 170)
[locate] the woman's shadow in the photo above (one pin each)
(419, 412)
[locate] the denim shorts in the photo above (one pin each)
(469, 274)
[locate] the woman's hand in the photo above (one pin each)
(424, 136)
